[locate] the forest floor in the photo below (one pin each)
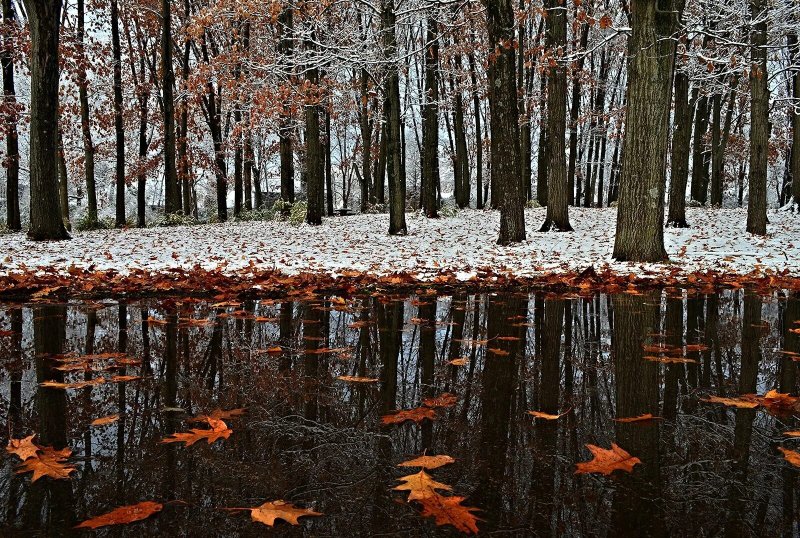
(462, 247)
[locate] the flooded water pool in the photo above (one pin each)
(320, 380)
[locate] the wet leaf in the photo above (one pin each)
(641, 418)
(75, 385)
(48, 462)
(778, 403)
(459, 362)
(102, 421)
(428, 462)
(218, 430)
(357, 379)
(498, 351)
(219, 414)
(792, 456)
(795, 433)
(450, 511)
(669, 360)
(420, 485)
(268, 512)
(547, 416)
(607, 461)
(417, 415)
(443, 400)
(22, 448)
(731, 402)
(123, 515)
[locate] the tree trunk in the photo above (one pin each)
(794, 45)
(286, 50)
(505, 172)
(718, 149)
(575, 107)
(314, 177)
(366, 141)
(141, 178)
(543, 156)
(119, 127)
(172, 202)
(476, 111)
(13, 219)
(328, 165)
(679, 171)
(640, 217)
(394, 150)
(759, 122)
(86, 130)
(462, 156)
(63, 184)
(430, 125)
(698, 190)
(44, 20)
(184, 167)
(559, 196)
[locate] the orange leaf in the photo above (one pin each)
(450, 511)
(443, 400)
(420, 486)
(268, 512)
(357, 379)
(731, 402)
(548, 416)
(428, 462)
(607, 461)
(498, 351)
(48, 462)
(23, 448)
(669, 360)
(640, 418)
(123, 515)
(792, 456)
(219, 430)
(102, 421)
(417, 414)
(458, 362)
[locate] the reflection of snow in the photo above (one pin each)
(462, 244)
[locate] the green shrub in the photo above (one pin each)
(297, 214)
(448, 211)
(532, 204)
(256, 215)
(175, 219)
(84, 223)
(4, 228)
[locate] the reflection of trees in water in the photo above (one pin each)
(309, 438)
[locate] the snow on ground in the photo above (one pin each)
(717, 240)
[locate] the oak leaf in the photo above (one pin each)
(450, 511)
(123, 515)
(418, 414)
(48, 462)
(731, 402)
(428, 462)
(268, 512)
(420, 485)
(218, 430)
(24, 448)
(357, 379)
(607, 461)
(443, 400)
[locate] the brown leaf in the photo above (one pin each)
(357, 379)
(458, 362)
(218, 430)
(607, 461)
(48, 462)
(76, 385)
(268, 512)
(428, 462)
(640, 418)
(795, 433)
(669, 360)
(23, 448)
(778, 403)
(792, 456)
(417, 414)
(547, 416)
(443, 400)
(450, 511)
(731, 402)
(123, 515)
(420, 486)
(102, 421)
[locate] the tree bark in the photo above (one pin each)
(119, 127)
(698, 188)
(759, 121)
(559, 196)
(679, 171)
(476, 111)
(366, 141)
(794, 45)
(640, 217)
(63, 184)
(45, 213)
(504, 154)
(172, 203)
(86, 130)
(286, 50)
(314, 177)
(430, 124)
(718, 150)
(13, 218)
(575, 107)
(394, 150)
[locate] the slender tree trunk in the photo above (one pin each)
(63, 183)
(430, 124)
(575, 107)
(380, 173)
(141, 178)
(460, 135)
(184, 167)
(759, 121)
(13, 219)
(394, 149)
(794, 46)
(718, 150)
(679, 171)
(366, 141)
(286, 50)
(86, 130)
(476, 111)
(559, 196)
(698, 190)
(543, 156)
(248, 168)
(315, 179)
(328, 165)
(119, 127)
(505, 172)
(172, 203)
(44, 18)
(238, 164)
(640, 218)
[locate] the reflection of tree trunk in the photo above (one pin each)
(170, 401)
(743, 432)
(788, 368)
(674, 372)
(427, 356)
(122, 347)
(312, 334)
(285, 335)
(636, 505)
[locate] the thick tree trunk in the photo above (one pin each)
(759, 122)
(430, 125)
(462, 156)
(640, 218)
(13, 219)
(172, 202)
(505, 161)
(679, 171)
(45, 218)
(394, 150)
(119, 127)
(559, 196)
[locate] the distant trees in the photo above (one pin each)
(9, 127)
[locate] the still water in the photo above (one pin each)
(317, 441)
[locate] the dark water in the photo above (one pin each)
(317, 441)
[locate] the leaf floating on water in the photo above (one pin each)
(778, 403)
(795, 433)
(102, 421)
(48, 462)
(450, 511)
(219, 415)
(420, 485)
(357, 379)
(123, 515)
(428, 462)
(499, 352)
(641, 418)
(268, 512)
(23, 448)
(548, 416)
(696, 347)
(124, 378)
(731, 402)
(458, 362)
(75, 385)
(607, 461)
(792, 456)
(417, 415)
(443, 400)
(669, 360)
(274, 350)
(218, 430)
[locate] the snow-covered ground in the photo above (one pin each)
(717, 241)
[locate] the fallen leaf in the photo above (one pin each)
(778, 403)
(417, 414)
(498, 351)
(22, 448)
(428, 462)
(792, 456)
(640, 418)
(218, 430)
(443, 400)
(607, 461)
(731, 402)
(268, 512)
(357, 379)
(795, 433)
(458, 362)
(547, 416)
(123, 515)
(75, 385)
(669, 360)
(102, 421)
(450, 511)
(48, 462)
(420, 485)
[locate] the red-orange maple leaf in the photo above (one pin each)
(607, 461)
